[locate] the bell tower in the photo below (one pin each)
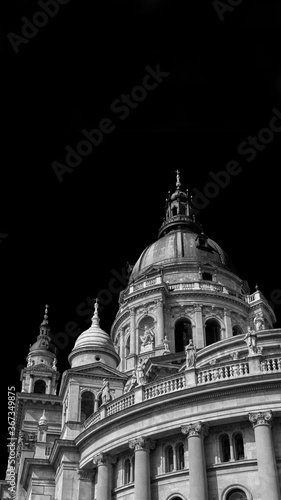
(40, 375)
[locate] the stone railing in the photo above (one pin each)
(171, 384)
(222, 372)
(120, 404)
(271, 365)
(93, 419)
(198, 285)
(145, 284)
(186, 379)
(254, 297)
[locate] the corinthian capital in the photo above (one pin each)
(104, 459)
(261, 418)
(141, 443)
(195, 429)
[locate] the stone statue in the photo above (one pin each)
(166, 345)
(147, 337)
(105, 392)
(140, 373)
(259, 322)
(54, 365)
(251, 340)
(29, 360)
(131, 382)
(190, 352)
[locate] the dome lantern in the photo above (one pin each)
(179, 212)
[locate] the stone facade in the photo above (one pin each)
(181, 401)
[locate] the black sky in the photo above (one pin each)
(67, 239)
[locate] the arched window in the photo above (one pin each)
(213, 331)
(183, 333)
(87, 405)
(169, 459)
(127, 467)
(236, 494)
(238, 446)
(180, 456)
(175, 210)
(225, 448)
(40, 387)
(236, 330)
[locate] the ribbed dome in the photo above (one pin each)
(95, 338)
(181, 246)
(94, 345)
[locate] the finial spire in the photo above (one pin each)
(45, 320)
(95, 317)
(178, 183)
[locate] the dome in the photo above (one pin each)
(94, 345)
(181, 246)
(42, 344)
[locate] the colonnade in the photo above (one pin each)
(198, 488)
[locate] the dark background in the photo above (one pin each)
(65, 239)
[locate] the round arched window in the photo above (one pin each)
(236, 494)
(213, 330)
(183, 334)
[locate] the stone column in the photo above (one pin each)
(160, 323)
(168, 329)
(269, 487)
(85, 484)
(132, 331)
(122, 349)
(103, 462)
(199, 340)
(30, 386)
(228, 324)
(195, 433)
(142, 446)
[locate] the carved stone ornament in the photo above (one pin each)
(85, 474)
(104, 459)
(261, 418)
(27, 440)
(142, 443)
(210, 311)
(196, 429)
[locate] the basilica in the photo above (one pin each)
(181, 400)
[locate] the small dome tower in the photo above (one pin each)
(94, 345)
(40, 375)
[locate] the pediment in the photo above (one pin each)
(96, 369)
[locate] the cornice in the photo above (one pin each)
(31, 464)
(59, 447)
